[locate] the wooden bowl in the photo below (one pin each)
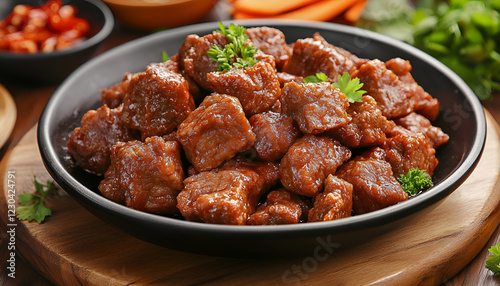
(159, 14)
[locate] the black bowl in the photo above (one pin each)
(55, 66)
(460, 111)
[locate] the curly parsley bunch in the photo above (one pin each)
(237, 53)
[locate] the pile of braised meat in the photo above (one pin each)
(258, 145)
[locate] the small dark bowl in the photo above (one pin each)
(55, 66)
(460, 110)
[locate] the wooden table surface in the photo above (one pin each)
(30, 101)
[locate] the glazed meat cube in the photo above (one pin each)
(267, 171)
(399, 66)
(193, 58)
(158, 101)
(374, 184)
(113, 96)
(224, 197)
(215, 132)
(334, 202)
(274, 134)
(284, 78)
(368, 126)
(316, 55)
(194, 88)
(270, 41)
(309, 161)
(257, 87)
(145, 176)
(408, 151)
(426, 104)
(393, 97)
(280, 207)
(316, 107)
(419, 124)
(170, 65)
(90, 144)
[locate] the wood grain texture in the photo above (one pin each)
(74, 247)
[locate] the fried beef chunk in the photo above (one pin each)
(394, 97)
(368, 126)
(193, 58)
(419, 124)
(334, 202)
(257, 88)
(271, 41)
(374, 184)
(316, 55)
(215, 132)
(158, 100)
(90, 144)
(220, 197)
(285, 78)
(113, 96)
(280, 207)
(145, 176)
(426, 104)
(309, 161)
(274, 134)
(267, 171)
(408, 151)
(316, 107)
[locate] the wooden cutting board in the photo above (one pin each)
(74, 247)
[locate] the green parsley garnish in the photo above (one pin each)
(164, 56)
(493, 260)
(318, 77)
(415, 181)
(350, 87)
(31, 205)
(237, 53)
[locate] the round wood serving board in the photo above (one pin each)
(74, 247)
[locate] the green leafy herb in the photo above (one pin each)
(31, 205)
(318, 77)
(389, 17)
(462, 34)
(415, 181)
(493, 260)
(164, 56)
(350, 87)
(238, 53)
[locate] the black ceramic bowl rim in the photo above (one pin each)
(100, 36)
(376, 218)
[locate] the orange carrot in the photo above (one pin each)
(354, 13)
(320, 11)
(240, 15)
(270, 7)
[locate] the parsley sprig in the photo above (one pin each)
(493, 260)
(350, 87)
(164, 56)
(237, 53)
(415, 181)
(318, 77)
(31, 205)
